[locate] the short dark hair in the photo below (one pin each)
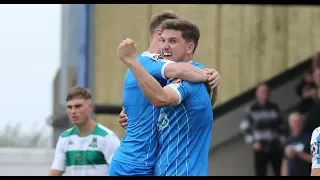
(78, 91)
(190, 31)
(157, 19)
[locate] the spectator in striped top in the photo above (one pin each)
(262, 130)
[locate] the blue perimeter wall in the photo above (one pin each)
(83, 26)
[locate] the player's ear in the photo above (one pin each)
(190, 48)
(91, 105)
(158, 32)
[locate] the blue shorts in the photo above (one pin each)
(118, 168)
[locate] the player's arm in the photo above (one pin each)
(171, 95)
(176, 92)
(314, 145)
(151, 88)
(59, 162)
(127, 53)
(213, 84)
(184, 71)
(214, 95)
(110, 144)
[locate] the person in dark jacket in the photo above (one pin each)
(305, 83)
(262, 130)
(306, 91)
(297, 159)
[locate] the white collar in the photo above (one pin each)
(147, 53)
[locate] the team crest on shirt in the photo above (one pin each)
(93, 143)
(163, 122)
(157, 57)
(175, 81)
(314, 149)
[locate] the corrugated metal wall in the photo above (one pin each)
(245, 43)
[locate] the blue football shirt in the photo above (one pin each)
(185, 132)
(139, 145)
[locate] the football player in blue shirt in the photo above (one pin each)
(137, 152)
(185, 123)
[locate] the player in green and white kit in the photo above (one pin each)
(87, 148)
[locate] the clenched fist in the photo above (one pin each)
(127, 50)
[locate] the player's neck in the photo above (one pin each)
(86, 128)
(154, 47)
(187, 59)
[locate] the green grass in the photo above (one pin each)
(11, 136)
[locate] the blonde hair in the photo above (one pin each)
(78, 91)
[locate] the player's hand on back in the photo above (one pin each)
(123, 119)
(127, 50)
(213, 78)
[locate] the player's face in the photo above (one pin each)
(174, 47)
(78, 110)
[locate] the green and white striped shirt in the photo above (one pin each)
(85, 155)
